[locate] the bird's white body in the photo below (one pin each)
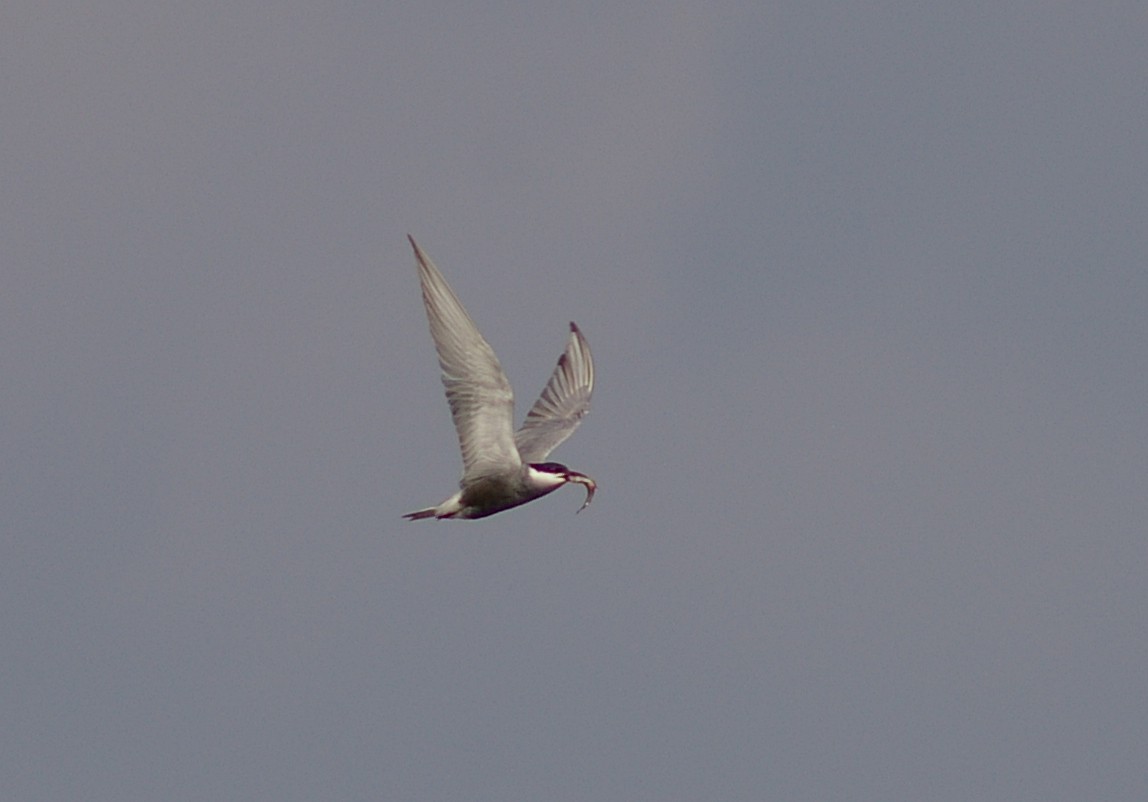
(488, 495)
(502, 468)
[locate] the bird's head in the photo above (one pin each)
(559, 473)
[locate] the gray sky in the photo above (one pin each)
(866, 286)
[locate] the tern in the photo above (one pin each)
(501, 468)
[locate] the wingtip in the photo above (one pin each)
(574, 327)
(420, 257)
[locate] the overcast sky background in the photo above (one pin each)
(867, 290)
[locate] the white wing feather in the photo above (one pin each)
(480, 397)
(563, 403)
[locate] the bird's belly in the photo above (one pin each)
(489, 495)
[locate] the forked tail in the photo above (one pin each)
(418, 516)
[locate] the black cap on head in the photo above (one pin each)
(550, 467)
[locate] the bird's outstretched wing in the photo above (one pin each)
(481, 400)
(563, 403)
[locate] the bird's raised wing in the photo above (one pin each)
(563, 403)
(481, 400)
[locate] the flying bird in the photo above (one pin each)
(501, 468)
